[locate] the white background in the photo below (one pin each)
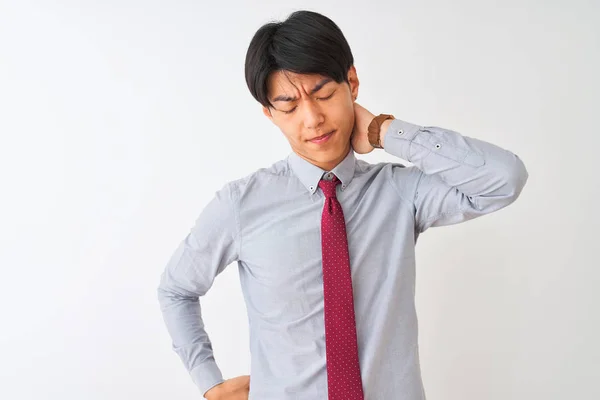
(120, 119)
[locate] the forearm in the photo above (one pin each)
(183, 318)
(490, 176)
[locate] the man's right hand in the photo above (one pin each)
(232, 389)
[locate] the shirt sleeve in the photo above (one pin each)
(210, 246)
(460, 177)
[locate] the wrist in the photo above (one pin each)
(377, 128)
(384, 128)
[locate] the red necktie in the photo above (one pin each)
(341, 349)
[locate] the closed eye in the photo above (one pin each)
(318, 98)
(328, 97)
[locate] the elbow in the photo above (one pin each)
(516, 178)
(171, 293)
(507, 185)
(164, 297)
(166, 294)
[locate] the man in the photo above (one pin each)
(324, 241)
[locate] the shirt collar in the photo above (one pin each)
(310, 175)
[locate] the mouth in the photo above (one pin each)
(322, 138)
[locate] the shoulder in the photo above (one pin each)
(258, 178)
(404, 178)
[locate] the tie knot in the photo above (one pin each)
(328, 187)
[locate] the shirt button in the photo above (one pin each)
(438, 146)
(401, 132)
(312, 187)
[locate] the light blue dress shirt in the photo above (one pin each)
(269, 222)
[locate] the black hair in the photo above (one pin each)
(305, 43)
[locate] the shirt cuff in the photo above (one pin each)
(398, 137)
(206, 376)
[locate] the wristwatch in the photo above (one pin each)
(374, 130)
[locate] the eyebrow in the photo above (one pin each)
(318, 87)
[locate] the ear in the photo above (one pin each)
(267, 113)
(353, 82)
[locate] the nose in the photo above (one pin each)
(313, 115)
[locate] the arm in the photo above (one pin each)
(208, 248)
(461, 178)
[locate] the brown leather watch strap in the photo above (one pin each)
(375, 128)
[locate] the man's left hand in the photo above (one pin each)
(362, 119)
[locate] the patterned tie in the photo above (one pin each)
(341, 349)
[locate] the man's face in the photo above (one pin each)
(309, 106)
